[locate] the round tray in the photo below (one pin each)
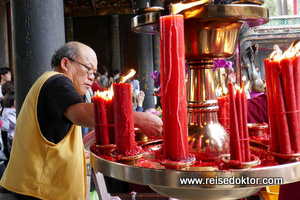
(167, 182)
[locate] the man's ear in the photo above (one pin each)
(64, 64)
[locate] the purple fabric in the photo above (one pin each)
(258, 109)
(289, 191)
(254, 94)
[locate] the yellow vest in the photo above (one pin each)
(41, 168)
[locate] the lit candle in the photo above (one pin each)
(97, 120)
(239, 111)
(296, 72)
(291, 104)
(280, 110)
(124, 121)
(101, 128)
(174, 105)
(271, 108)
(247, 154)
(110, 120)
(235, 150)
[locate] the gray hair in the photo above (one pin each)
(68, 50)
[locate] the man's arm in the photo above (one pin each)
(150, 124)
(82, 114)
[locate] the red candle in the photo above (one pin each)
(291, 104)
(124, 121)
(97, 120)
(296, 71)
(101, 129)
(271, 108)
(110, 120)
(172, 68)
(239, 111)
(280, 110)
(235, 150)
(245, 126)
(223, 112)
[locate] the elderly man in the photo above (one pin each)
(47, 159)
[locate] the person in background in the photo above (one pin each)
(104, 82)
(48, 162)
(9, 115)
(96, 85)
(5, 75)
(138, 100)
(8, 86)
(257, 88)
(258, 72)
(258, 109)
(116, 76)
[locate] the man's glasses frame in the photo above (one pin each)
(89, 69)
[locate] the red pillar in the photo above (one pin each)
(295, 7)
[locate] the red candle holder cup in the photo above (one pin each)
(257, 129)
(283, 158)
(105, 150)
(259, 135)
(130, 159)
(234, 164)
(178, 165)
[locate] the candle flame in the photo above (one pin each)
(178, 7)
(244, 78)
(276, 54)
(130, 73)
(218, 91)
(106, 95)
(292, 50)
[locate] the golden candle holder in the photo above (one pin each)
(282, 158)
(128, 160)
(255, 161)
(178, 165)
(105, 150)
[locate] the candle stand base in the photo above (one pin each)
(255, 161)
(168, 181)
(128, 160)
(282, 158)
(178, 165)
(105, 150)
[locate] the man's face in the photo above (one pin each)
(82, 71)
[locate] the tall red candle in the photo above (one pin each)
(235, 149)
(124, 121)
(97, 120)
(245, 127)
(296, 72)
(291, 104)
(111, 120)
(271, 108)
(101, 128)
(280, 110)
(174, 105)
(239, 111)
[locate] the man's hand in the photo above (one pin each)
(150, 124)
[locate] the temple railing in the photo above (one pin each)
(286, 20)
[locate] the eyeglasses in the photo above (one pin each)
(89, 69)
